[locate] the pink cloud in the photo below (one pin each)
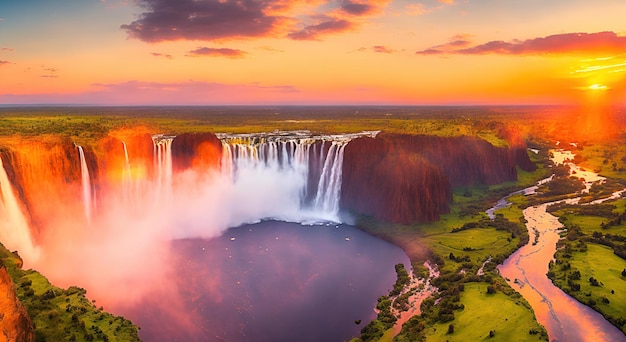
(164, 55)
(5, 62)
(217, 52)
(566, 43)
(312, 32)
(355, 8)
(382, 49)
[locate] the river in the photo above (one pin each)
(564, 317)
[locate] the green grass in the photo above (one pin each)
(508, 317)
(605, 159)
(63, 315)
(484, 242)
(600, 263)
(590, 224)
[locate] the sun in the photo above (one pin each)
(598, 87)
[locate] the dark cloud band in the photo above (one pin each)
(215, 20)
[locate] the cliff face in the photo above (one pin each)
(202, 151)
(518, 148)
(115, 163)
(392, 184)
(406, 178)
(15, 324)
(45, 174)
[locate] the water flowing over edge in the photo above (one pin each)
(306, 168)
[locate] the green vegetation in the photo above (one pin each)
(63, 315)
(94, 122)
(385, 319)
(592, 256)
(479, 321)
(607, 158)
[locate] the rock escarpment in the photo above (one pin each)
(45, 173)
(407, 178)
(15, 324)
(200, 150)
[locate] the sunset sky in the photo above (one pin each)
(111, 52)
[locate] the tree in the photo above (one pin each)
(451, 329)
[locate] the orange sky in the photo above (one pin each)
(312, 52)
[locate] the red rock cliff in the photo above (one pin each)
(15, 324)
(45, 173)
(201, 150)
(407, 178)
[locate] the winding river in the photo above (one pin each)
(564, 317)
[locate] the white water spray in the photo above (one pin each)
(127, 179)
(14, 229)
(329, 185)
(285, 163)
(162, 149)
(86, 184)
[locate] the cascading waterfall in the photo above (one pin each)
(162, 149)
(14, 229)
(127, 180)
(294, 157)
(86, 184)
(329, 186)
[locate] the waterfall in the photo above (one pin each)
(127, 180)
(162, 147)
(14, 229)
(329, 185)
(293, 158)
(86, 184)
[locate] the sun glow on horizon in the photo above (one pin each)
(598, 87)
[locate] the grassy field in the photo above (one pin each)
(600, 262)
(509, 319)
(607, 159)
